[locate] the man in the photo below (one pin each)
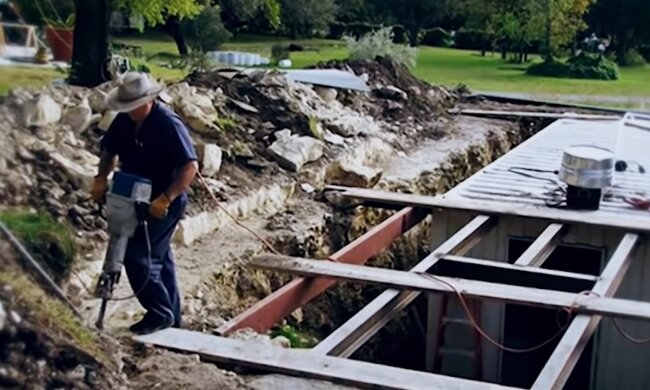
(152, 142)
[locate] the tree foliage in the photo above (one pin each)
(155, 12)
(304, 18)
(627, 22)
(238, 14)
(414, 15)
(206, 32)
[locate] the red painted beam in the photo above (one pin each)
(272, 309)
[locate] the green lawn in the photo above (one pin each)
(11, 77)
(437, 65)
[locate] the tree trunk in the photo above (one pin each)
(414, 32)
(173, 28)
(504, 51)
(484, 48)
(90, 49)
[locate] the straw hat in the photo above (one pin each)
(133, 90)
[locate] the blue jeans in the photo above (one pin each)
(154, 280)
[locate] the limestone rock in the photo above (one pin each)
(197, 118)
(392, 93)
(350, 174)
(210, 156)
(40, 111)
(327, 94)
(107, 120)
(3, 317)
(351, 126)
(79, 173)
(292, 151)
(333, 139)
(281, 341)
(79, 117)
(97, 101)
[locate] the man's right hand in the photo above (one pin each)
(99, 189)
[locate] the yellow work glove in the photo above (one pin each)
(99, 189)
(158, 208)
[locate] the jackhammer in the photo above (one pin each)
(126, 208)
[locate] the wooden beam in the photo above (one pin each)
(543, 246)
(303, 364)
(505, 273)
(630, 222)
(531, 114)
(300, 291)
(345, 340)
(558, 368)
(610, 307)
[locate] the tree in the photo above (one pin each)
(206, 31)
(414, 15)
(626, 21)
(564, 19)
(90, 49)
(349, 11)
(238, 14)
(303, 18)
(169, 13)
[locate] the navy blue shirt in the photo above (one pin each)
(156, 152)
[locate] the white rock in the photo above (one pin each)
(97, 101)
(3, 317)
(197, 119)
(211, 156)
(14, 318)
(327, 94)
(40, 111)
(308, 188)
(281, 341)
(79, 173)
(350, 174)
(333, 139)
(79, 117)
(107, 120)
(292, 152)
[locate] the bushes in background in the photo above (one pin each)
(471, 39)
(436, 37)
(582, 66)
(632, 57)
(206, 31)
(644, 50)
(357, 30)
(380, 44)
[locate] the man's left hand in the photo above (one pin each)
(158, 208)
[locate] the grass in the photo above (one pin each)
(48, 313)
(11, 77)
(437, 65)
(49, 242)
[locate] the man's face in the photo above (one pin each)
(140, 114)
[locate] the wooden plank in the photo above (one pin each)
(505, 273)
(301, 363)
(559, 366)
(404, 280)
(300, 291)
(543, 246)
(597, 218)
(532, 114)
(347, 338)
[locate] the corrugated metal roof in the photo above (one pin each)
(496, 183)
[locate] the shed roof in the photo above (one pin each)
(498, 184)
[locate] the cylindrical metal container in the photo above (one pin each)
(587, 166)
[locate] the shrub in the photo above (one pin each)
(582, 66)
(436, 37)
(36, 12)
(471, 39)
(549, 69)
(632, 58)
(49, 242)
(592, 66)
(206, 31)
(380, 44)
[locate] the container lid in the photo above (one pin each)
(590, 152)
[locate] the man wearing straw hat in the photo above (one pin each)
(150, 141)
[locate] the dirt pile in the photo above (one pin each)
(397, 94)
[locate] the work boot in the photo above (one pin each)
(149, 325)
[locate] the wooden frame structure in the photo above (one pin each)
(30, 39)
(523, 282)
